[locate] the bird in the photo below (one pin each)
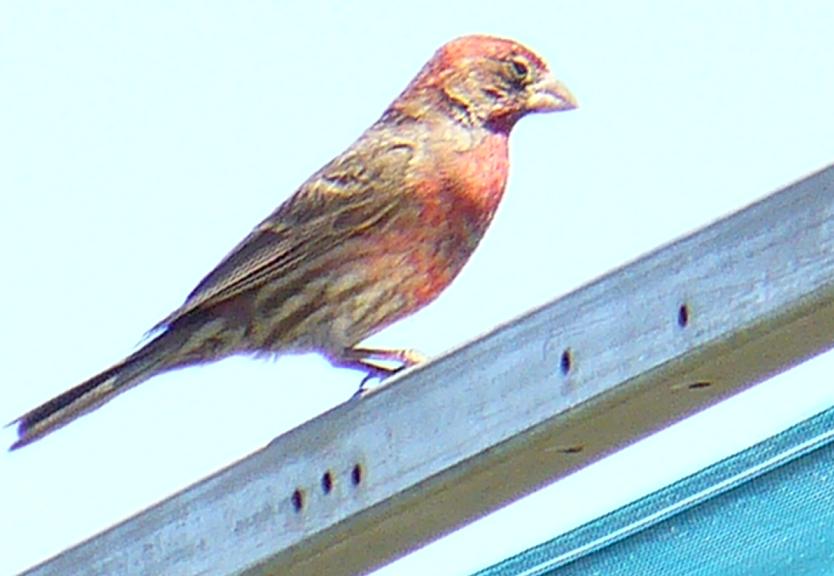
(373, 236)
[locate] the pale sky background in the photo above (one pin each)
(140, 141)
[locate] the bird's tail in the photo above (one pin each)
(146, 362)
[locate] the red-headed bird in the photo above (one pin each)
(373, 236)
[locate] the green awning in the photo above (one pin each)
(768, 510)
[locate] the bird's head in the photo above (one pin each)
(485, 81)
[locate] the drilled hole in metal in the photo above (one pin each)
(566, 361)
(356, 475)
(298, 500)
(327, 482)
(683, 315)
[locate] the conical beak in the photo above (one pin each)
(550, 95)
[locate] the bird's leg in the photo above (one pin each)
(365, 359)
(407, 357)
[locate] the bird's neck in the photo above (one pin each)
(447, 104)
(480, 172)
(466, 177)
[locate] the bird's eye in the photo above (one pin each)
(519, 68)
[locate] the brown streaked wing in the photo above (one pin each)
(348, 197)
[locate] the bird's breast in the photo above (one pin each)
(463, 187)
(456, 198)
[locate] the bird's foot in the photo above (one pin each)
(406, 356)
(368, 360)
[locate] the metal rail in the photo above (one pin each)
(541, 396)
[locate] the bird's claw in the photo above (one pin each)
(363, 389)
(375, 371)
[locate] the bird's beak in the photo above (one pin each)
(550, 95)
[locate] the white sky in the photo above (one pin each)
(139, 142)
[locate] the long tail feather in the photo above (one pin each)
(146, 362)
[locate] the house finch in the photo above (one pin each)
(373, 236)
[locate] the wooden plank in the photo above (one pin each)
(539, 397)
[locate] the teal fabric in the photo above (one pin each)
(766, 511)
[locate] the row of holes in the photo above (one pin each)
(356, 473)
(298, 497)
(567, 357)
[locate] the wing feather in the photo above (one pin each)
(350, 196)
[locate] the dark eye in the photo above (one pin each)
(520, 68)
